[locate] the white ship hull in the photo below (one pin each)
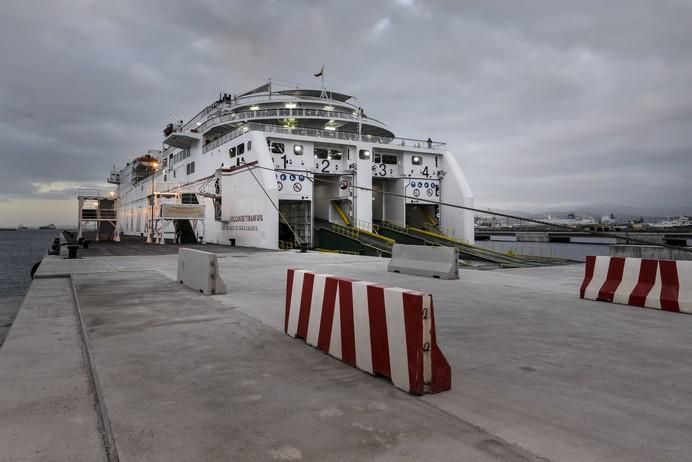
(262, 185)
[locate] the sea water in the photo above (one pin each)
(19, 250)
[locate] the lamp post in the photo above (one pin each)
(150, 234)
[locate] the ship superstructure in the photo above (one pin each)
(269, 167)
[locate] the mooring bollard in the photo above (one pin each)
(232, 241)
(72, 251)
(303, 246)
(85, 243)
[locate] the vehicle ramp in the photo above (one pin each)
(347, 239)
(472, 252)
(467, 253)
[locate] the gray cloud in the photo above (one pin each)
(546, 105)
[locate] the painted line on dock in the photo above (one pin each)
(100, 405)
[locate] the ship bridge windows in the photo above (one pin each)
(321, 153)
(231, 152)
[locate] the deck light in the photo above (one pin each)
(328, 108)
(416, 160)
(290, 105)
(330, 128)
(254, 108)
(298, 149)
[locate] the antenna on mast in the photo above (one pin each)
(323, 93)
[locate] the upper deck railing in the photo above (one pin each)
(96, 192)
(326, 134)
(264, 97)
(264, 113)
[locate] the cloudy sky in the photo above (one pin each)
(549, 105)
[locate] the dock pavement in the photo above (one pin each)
(110, 358)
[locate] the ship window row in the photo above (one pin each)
(280, 148)
(189, 198)
(332, 154)
(389, 159)
(182, 155)
(239, 150)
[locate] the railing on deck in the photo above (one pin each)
(264, 113)
(99, 214)
(96, 192)
(328, 134)
(345, 230)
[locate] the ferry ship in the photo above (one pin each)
(277, 167)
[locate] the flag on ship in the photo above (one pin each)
(320, 73)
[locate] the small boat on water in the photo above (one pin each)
(50, 226)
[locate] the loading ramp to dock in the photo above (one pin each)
(346, 239)
(467, 252)
(378, 242)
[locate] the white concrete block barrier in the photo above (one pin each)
(425, 260)
(381, 330)
(660, 284)
(198, 270)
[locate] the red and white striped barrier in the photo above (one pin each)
(661, 284)
(380, 330)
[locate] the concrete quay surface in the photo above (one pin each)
(538, 374)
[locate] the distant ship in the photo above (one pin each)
(50, 226)
(21, 227)
(679, 222)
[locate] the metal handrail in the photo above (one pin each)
(328, 134)
(262, 113)
(345, 230)
(99, 214)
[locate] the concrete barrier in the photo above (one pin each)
(198, 270)
(660, 284)
(381, 330)
(425, 260)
